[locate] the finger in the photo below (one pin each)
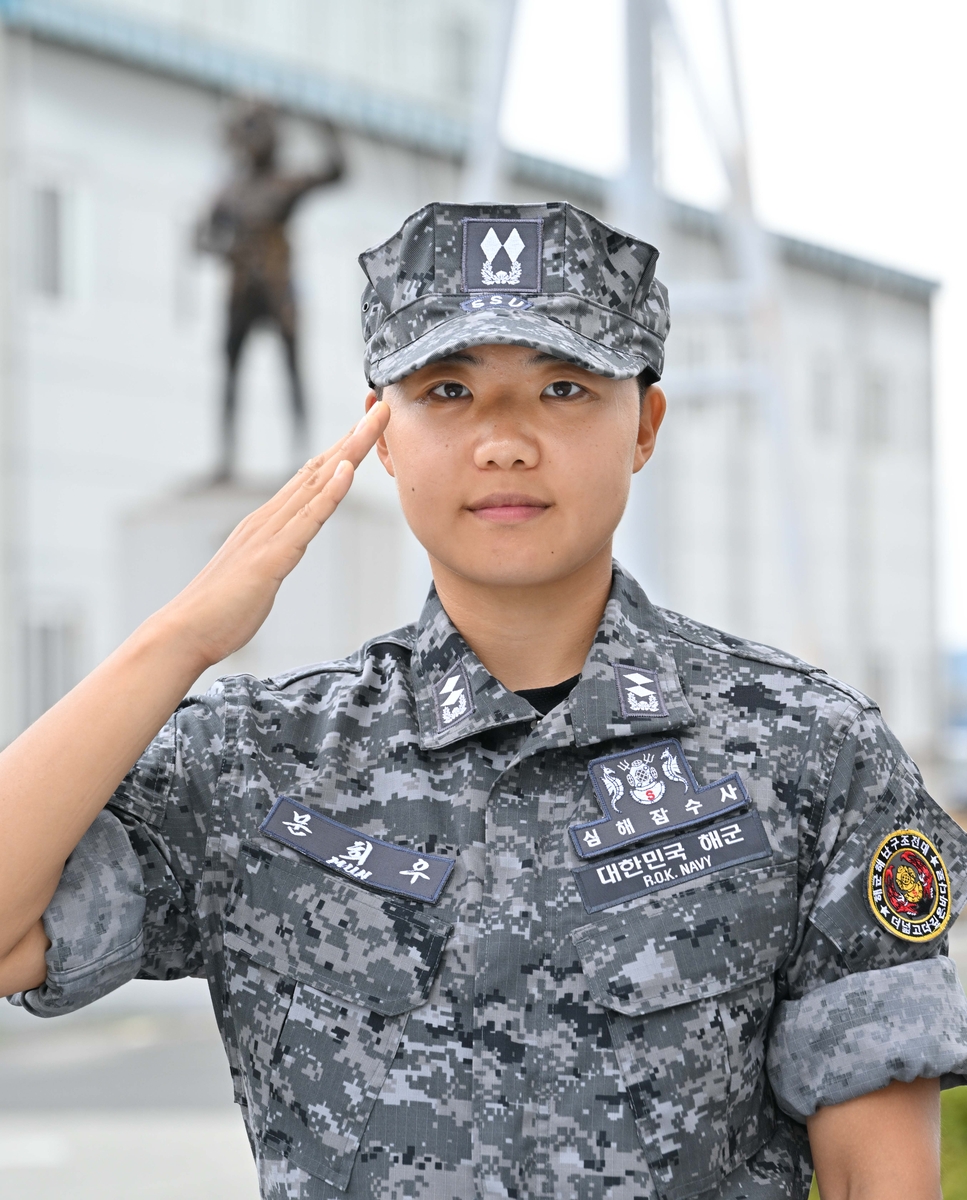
(354, 449)
(313, 464)
(310, 476)
(367, 433)
(355, 437)
(306, 522)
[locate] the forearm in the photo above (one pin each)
(883, 1144)
(25, 966)
(57, 776)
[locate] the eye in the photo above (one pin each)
(450, 391)
(562, 389)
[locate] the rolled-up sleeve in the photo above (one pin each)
(865, 1004)
(856, 1035)
(94, 923)
(125, 905)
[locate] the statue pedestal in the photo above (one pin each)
(360, 576)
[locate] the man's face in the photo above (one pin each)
(513, 467)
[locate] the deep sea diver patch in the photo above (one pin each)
(368, 860)
(649, 792)
(908, 887)
(664, 864)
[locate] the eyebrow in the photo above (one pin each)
(458, 357)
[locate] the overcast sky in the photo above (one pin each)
(856, 116)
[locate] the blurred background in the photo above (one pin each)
(799, 167)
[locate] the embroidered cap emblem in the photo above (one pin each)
(453, 696)
(908, 888)
(490, 246)
(638, 692)
(503, 255)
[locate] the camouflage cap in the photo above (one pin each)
(543, 275)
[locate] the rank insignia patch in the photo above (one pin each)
(369, 860)
(908, 888)
(453, 697)
(638, 692)
(651, 791)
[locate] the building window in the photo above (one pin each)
(875, 410)
(50, 664)
(47, 242)
(460, 57)
(823, 399)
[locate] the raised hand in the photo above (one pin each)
(224, 605)
(60, 773)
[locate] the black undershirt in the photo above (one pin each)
(544, 699)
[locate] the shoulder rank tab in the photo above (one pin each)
(377, 864)
(648, 792)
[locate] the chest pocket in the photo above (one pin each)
(321, 979)
(688, 987)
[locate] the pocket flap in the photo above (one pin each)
(692, 945)
(302, 922)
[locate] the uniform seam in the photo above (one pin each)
(847, 729)
(837, 739)
(791, 664)
(278, 683)
(71, 975)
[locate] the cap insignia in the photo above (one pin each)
(503, 255)
(908, 887)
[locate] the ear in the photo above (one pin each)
(649, 422)
(382, 450)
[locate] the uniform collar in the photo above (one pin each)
(457, 697)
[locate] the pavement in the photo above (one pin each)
(131, 1099)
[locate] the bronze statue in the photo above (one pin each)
(246, 227)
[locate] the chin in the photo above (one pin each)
(526, 570)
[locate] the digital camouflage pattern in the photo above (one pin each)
(594, 302)
(504, 1041)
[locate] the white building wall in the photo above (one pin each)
(112, 388)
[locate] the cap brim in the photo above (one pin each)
(503, 327)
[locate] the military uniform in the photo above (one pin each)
(504, 1040)
(458, 948)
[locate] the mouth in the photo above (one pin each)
(508, 507)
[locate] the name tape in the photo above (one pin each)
(605, 884)
(364, 859)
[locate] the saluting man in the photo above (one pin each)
(553, 893)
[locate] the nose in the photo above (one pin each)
(505, 442)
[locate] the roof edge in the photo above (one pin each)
(207, 63)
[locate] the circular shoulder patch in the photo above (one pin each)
(908, 888)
